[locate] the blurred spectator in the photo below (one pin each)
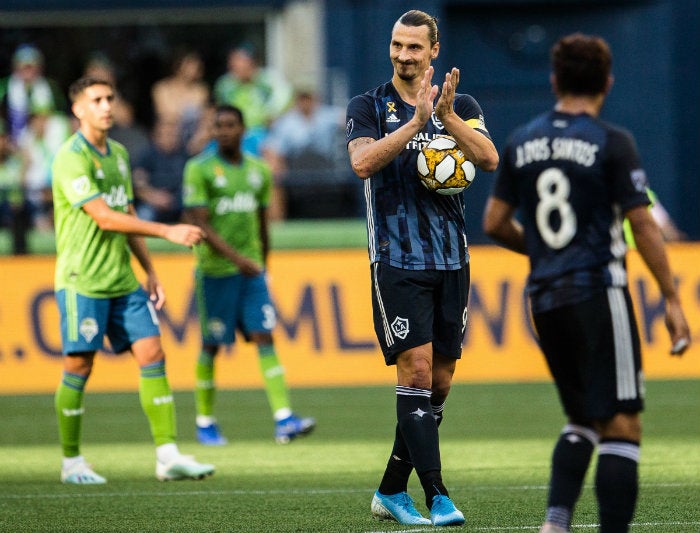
(27, 88)
(157, 174)
(124, 129)
(44, 133)
(13, 209)
(262, 95)
(182, 96)
(203, 136)
(306, 140)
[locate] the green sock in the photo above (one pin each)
(157, 402)
(68, 402)
(204, 388)
(273, 374)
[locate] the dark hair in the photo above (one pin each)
(78, 86)
(226, 108)
(581, 64)
(416, 17)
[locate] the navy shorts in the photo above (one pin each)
(228, 303)
(594, 354)
(415, 307)
(85, 321)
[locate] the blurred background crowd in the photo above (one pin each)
(287, 124)
(292, 65)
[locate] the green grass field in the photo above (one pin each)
(285, 235)
(496, 440)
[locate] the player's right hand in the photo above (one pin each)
(426, 97)
(185, 234)
(677, 327)
(248, 267)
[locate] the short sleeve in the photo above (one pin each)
(194, 190)
(361, 119)
(628, 178)
(72, 175)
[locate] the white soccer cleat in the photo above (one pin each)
(183, 467)
(81, 474)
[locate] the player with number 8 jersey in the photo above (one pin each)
(572, 175)
(573, 178)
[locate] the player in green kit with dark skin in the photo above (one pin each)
(97, 291)
(226, 193)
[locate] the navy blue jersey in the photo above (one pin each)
(572, 177)
(408, 226)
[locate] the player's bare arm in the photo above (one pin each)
(153, 287)
(650, 245)
(501, 226)
(478, 148)
(110, 220)
(200, 217)
(368, 156)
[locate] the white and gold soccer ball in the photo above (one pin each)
(443, 168)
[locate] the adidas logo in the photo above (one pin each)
(392, 118)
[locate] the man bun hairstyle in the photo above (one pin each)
(416, 17)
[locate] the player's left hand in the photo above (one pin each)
(445, 104)
(184, 234)
(156, 293)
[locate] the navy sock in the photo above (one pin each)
(398, 468)
(570, 460)
(419, 430)
(616, 484)
(399, 465)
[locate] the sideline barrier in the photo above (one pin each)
(325, 334)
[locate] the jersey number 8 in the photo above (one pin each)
(553, 190)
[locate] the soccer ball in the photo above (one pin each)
(443, 168)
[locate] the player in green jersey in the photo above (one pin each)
(96, 288)
(226, 193)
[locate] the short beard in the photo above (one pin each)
(404, 77)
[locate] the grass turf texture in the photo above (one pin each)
(496, 441)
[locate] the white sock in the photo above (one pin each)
(203, 421)
(69, 462)
(167, 452)
(283, 413)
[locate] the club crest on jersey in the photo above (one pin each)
(88, 328)
(436, 122)
(400, 327)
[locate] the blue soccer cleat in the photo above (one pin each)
(398, 507)
(210, 435)
(292, 427)
(444, 513)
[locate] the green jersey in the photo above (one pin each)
(233, 194)
(91, 261)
